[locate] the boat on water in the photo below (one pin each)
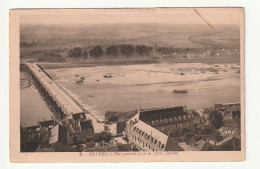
(180, 91)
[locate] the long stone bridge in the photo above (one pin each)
(66, 109)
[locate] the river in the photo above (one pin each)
(32, 107)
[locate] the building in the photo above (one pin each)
(201, 145)
(86, 125)
(151, 130)
(231, 113)
(167, 119)
(118, 128)
(60, 134)
(223, 107)
(229, 110)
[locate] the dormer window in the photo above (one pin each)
(180, 118)
(159, 143)
(184, 117)
(162, 146)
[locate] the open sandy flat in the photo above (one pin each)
(124, 88)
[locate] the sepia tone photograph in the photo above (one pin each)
(129, 82)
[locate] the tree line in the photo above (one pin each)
(126, 50)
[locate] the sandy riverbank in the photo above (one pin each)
(124, 88)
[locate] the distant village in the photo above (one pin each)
(159, 129)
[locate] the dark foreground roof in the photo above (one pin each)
(162, 113)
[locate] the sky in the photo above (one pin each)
(153, 15)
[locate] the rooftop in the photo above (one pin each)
(156, 134)
(147, 115)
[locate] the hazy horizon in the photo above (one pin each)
(179, 16)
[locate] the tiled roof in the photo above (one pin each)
(199, 145)
(156, 134)
(172, 146)
(187, 147)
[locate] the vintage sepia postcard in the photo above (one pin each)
(127, 85)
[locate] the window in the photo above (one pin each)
(149, 147)
(146, 145)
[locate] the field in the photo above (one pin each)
(127, 87)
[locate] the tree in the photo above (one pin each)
(111, 116)
(76, 140)
(144, 50)
(97, 138)
(96, 51)
(127, 50)
(75, 52)
(89, 139)
(189, 138)
(165, 50)
(216, 119)
(102, 136)
(112, 50)
(106, 136)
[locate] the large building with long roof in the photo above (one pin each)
(151, 129)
